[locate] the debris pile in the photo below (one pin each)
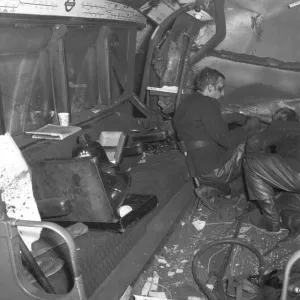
(199, 227)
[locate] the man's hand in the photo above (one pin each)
(251, 123)
(254, 144)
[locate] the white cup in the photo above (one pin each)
(64, 119)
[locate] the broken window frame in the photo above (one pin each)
(59, 75)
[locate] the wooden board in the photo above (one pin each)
(95, 9)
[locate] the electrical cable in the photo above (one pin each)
(225, 264)
(201, 285)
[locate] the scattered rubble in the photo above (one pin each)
(173, 263)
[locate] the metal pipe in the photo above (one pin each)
(35, 268)
(146, 110)
(156, 36)
(59, 230)
(219, 35)
(287, 272)
(213, 42)
(188, 41)
(255, 60)
(2, 122)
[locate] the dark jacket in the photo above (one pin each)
(283, 137)
(199, 118)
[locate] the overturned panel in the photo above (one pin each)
(78, 180)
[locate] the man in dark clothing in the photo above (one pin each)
(214, 152)
(272, 163)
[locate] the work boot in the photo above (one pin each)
(270, 220)
(209, 196)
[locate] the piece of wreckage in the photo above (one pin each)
(116, 201)
(173, 70)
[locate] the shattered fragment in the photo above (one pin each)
(147, 286)
(199, 225)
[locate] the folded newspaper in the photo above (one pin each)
(53, 132)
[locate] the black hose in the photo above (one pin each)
(201, 285)
(221, 292)
(35, 268)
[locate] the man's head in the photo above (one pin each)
(210, 82)
(285, 114)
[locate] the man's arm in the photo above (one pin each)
(217, 129)
(277, 131)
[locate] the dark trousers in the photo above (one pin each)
(264, 173)
(230, 171)
(228, 178)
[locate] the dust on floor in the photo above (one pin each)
(171, 266)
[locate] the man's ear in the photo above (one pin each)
(210, 88)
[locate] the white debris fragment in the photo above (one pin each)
(184, 261)
(195, 298)
(199, 225)
(146, 287)
(142, 160)
(155, 281)
(179, 271)
(170, 274)
(168, 265)
(182, 223)
(210, 286)
(245, 229)
(158, 295)
(162, 261)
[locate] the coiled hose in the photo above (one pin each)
(241, 243)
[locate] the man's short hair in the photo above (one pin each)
(285, 114)
(207, 77)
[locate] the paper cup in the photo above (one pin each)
(64, 119)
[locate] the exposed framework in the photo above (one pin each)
(114, 47)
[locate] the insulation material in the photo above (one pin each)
(16, 187)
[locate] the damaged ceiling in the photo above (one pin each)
(264, 28)
(259, 27)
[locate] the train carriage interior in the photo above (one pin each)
(101, 198)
